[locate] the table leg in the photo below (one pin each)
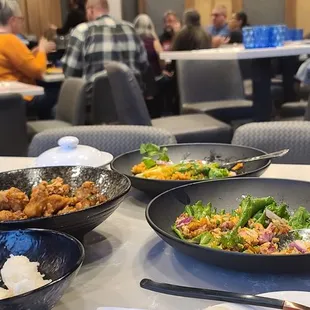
(289, 67)
(262, 100)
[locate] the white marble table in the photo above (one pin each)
(239, 52)
(124, 249)
(20, 88)
(53, 78)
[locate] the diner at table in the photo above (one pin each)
(146, 176)
(18, 63)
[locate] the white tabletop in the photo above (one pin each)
(52, 78)
(20, 88)
(238, 52)
(124, 249)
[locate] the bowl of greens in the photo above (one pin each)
(237, 223)
(154, 169)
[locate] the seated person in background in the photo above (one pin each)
(146, 30)
(102, 39)
(238, 21)
(75, 17)
(219, 29)
(17, 62)
(192, 36)
(219, 25)
(172, 26)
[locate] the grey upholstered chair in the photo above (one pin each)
(101, 112)
(113, 139)
(70, 108)
(213, 87)
(13, 130)
(131, 109)
(275, 136)
(294, 109)
(307, 113)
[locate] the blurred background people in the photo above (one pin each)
(75, 17)
(102, 39)
(192, 36)
(219, 25)
(172, 25)
(145, 28)
(238, 21)
(18, 63)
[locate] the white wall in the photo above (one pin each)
(116, 8)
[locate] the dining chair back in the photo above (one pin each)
(13, 130)
(70, 108)
(129, 103)
(113, 139)
(71, 103)
(214, 87)
(307, 114)
(275, 136)
(131, 110)
(103, 109)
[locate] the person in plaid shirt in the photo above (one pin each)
(103, 39)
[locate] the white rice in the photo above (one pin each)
(20, 276)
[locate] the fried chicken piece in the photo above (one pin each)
(13, 199)
(38, 200)
(57, 187)
(12, 216)
(56, 203)
(67, 210)
(88, 195)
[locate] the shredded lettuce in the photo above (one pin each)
(300, 219)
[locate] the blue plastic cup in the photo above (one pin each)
(277, 34)
(295, 35)
(261, 36)
(299, 34)
(248, 37)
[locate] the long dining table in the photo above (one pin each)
(124, 250)
(23, 89)
(261, 69)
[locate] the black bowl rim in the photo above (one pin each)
(44, 218)
(237, 254)
(71, 271)
(189, 144)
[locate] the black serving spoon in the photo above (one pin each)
(201, 293)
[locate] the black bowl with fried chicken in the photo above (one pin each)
(74, 200)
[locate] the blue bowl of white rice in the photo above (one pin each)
(36, 267)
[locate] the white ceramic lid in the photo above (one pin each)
(70, 153)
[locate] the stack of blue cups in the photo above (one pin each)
(294, 34)
(264, 36)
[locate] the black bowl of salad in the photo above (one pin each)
(237, 223)
(154, 169)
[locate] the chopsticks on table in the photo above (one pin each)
(201, 293)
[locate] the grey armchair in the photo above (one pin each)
(113, 139)
(130, 109)
(275, 136)
(70, 108)
(213, 87)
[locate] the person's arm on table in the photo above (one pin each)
(33, 66)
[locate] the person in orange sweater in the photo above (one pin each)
(17, 62)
